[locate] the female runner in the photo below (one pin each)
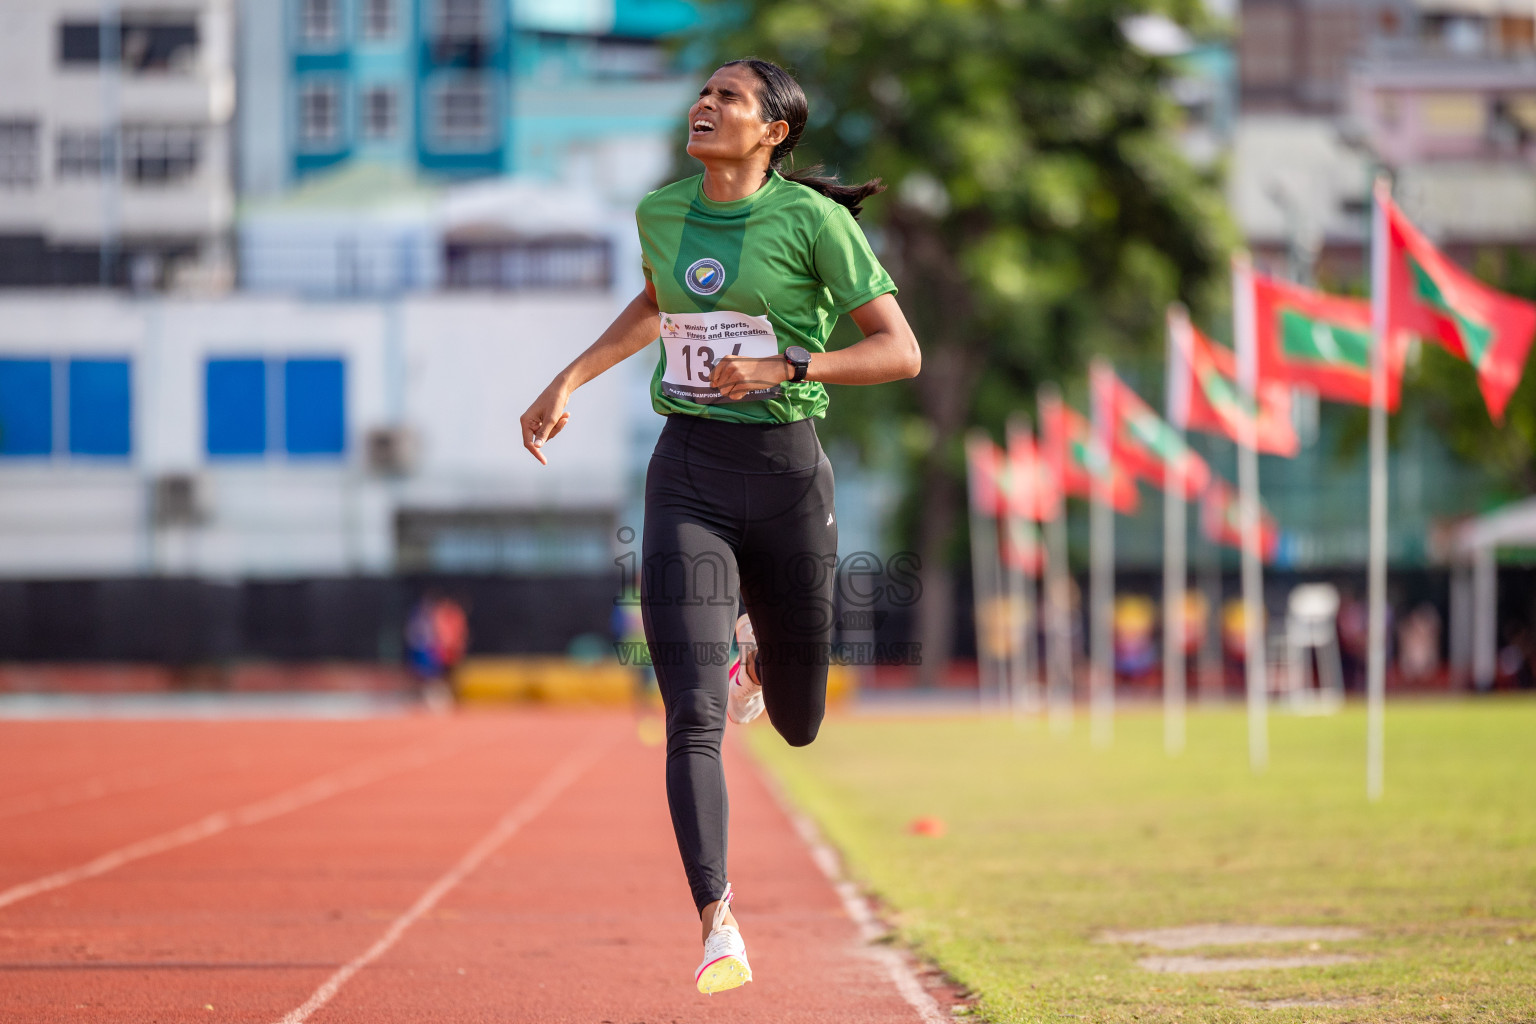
(747, 270)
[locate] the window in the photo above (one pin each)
(314, 404)
(145, 44)
(100, 407)
(308, 395)
(462, 112)
(84, 153)
(505, 540)
(18, 154)
(26, 407)
(380, 112)
(318, 23)
(80, 43)
(320, 114)
(235, 393)
(160, 153)
(378, 19)
(97, 407)
(531, 263)
(462, 19)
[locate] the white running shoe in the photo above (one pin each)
(745, 700)
(725, 955)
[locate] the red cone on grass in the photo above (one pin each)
(926, 826)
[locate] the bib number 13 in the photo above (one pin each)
(707, 359)
(695, 343)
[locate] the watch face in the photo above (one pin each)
(800, 359)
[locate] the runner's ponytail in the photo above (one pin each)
(780, 98)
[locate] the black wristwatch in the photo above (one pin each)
(800, 359)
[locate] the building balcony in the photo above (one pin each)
(1414, 107)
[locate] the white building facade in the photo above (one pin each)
(115, 163)
(271, 437)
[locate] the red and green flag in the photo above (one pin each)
(1316, 340)
(1072, 459)
(1221, 520)
(1004, 485)
(1143, 442)
(1027, 499)
(1031, 485)
(1021, 548)
(1431, 297)
(1206, 396)
(984, 472)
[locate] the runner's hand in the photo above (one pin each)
(734, 376)
(545, 418)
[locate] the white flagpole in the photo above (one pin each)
(1019, 625)
(1028, 604)
(1175, 569)
(1212, 672)
(983, 577)
(1101, 695)
(1055, 588)
(1255, 615)
(1376, 670)
(1018, 629)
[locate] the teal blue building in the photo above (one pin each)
(452, 88)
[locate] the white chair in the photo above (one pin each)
(1311, 624)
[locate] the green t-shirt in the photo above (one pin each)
(751, 277)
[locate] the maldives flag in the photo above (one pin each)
(1003, 485)
(1430, 296)
(1221, 520)
(1317, 340)
(1071, 457)
(1021, 548)
(1031, 485)
(984, 471)
(1206, 397)
(1144, 443)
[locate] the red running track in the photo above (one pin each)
(509, 867)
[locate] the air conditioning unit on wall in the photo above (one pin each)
(390, 451)
(178, 499)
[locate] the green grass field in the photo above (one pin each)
(1049, 843)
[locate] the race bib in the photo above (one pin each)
(695, 342)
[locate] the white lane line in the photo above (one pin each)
(871, 930)
(544, 794)
(311, 792)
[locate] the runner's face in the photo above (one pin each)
(725, 122)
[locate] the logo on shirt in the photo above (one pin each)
(705, 277)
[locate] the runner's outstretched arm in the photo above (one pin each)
(887, 352)
(631, 331)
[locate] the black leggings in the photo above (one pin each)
(733, 510)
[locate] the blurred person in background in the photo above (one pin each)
(436, 637)
(1234, 643)
(747, 267)
(628, 628)
(1354, 640)
(1418, 641)
(1135, 653)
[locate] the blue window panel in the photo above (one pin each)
(236, 395)
(100, 407)
(314, 407)
(26, 407)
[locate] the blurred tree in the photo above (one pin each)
(1039, 210)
